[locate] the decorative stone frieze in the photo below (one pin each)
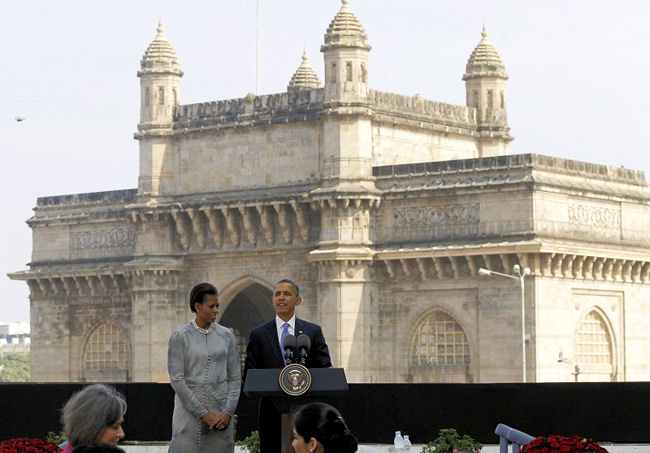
(424, 216)
(102, 239)
(599, 222)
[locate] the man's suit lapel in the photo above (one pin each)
(301, 327)
(271, 339)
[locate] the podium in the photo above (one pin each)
(265, 383)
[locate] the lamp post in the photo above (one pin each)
(519, 275)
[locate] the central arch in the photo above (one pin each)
(247, 304)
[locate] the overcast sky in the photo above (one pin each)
(579, 84)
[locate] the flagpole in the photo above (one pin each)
(257, 49)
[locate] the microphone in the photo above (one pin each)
(289, 346)
(303, 343)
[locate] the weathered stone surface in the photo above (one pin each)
(383, 208)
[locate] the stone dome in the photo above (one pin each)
(160, 55)
(484, 61)
(345, 30)
(305, 77)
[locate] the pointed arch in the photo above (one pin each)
(106, 354)
(440, 350)
(245, 303)
(232, 289)
(594, 346)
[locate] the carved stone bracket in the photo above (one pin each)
(284, 220)
(215, 223)
(342, 203)
(345, 269)
(77, 284)
(154, 279)
(181, 228)
(302, 218)
(198, 226)
(215, 226)
(266, 220)
(234, 233)
(555, 265)
(250, 224)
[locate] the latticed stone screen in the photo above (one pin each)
(107, 348)
(440, 341)
(593, 344)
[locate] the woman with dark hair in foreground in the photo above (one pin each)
(319, 427)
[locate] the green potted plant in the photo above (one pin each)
(449, 441)
(251, 444)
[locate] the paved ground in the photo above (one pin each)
(384, 448)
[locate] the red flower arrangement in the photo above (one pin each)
(28, 446)
(561, 444)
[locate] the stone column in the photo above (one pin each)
(155, 315)
(349, 316)
(347, 293)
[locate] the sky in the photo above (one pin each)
(579, 84)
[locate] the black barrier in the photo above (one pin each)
(607, 412)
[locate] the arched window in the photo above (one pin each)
(106, 354)
(594, 353)
(333, 73)
(147, 96)
(503, 100)
(161, 95)
(475, 98)
(439, 351)
(490, 99)
(364, 73)
(348, 71)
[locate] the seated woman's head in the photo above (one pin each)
(94, 414)
(319, 427)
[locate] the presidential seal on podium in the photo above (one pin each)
(295, 379)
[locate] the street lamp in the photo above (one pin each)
(519, 275)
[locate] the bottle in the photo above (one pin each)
(398, 442)
(407, 443)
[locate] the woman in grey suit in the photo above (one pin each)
(204, 371)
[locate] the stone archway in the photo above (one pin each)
(249, 308)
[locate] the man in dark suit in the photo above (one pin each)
(264, 351)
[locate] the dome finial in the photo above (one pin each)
(484, 61)
(160, 55)
(305, 77)
(344, 3)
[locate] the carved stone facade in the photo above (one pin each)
(382, 206)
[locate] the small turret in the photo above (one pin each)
(305, 77)
(485, 77)
(485, 84)
(345, 52)
(160, 77)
